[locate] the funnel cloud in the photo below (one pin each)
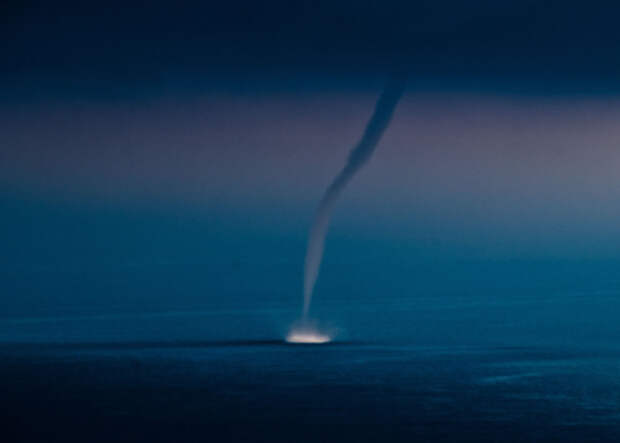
(358, 157)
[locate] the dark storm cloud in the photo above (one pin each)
(116, 46)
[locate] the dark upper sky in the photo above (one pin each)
(86, 46)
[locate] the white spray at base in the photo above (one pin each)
(358, 157)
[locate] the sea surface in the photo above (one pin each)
(465, 353)
(270, 391)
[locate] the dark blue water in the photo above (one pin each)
(483, 352)
(270, 391)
